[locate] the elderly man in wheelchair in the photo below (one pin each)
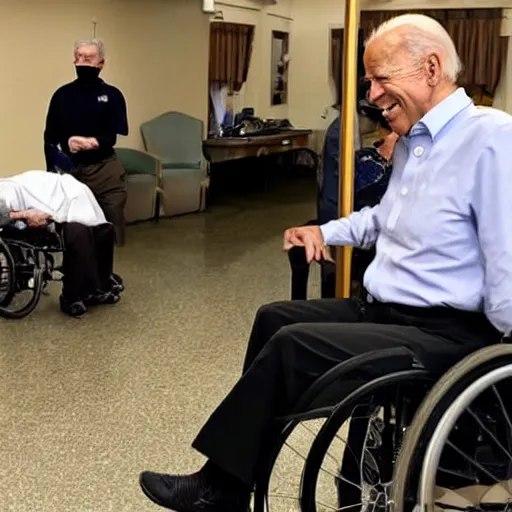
(43, 213)
(439, 291)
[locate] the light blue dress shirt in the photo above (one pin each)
(443, 230)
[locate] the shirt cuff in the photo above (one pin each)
(337, 232)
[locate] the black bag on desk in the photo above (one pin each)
(252, 126)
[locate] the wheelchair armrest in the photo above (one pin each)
(45, 238)
(20, 225)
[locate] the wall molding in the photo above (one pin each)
(280, 16)
(238, 6)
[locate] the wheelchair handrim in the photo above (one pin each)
(444, 428)
(11, 283)
(408, 473)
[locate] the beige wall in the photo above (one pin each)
(311, 87)
(266, 18)
(157, 53)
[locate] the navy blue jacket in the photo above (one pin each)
(88, 110)
(371, 176)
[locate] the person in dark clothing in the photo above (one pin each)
(372, 169)
(371, 176)
(84, 118)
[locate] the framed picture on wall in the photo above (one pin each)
(279, 70)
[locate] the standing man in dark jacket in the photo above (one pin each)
(84, 118)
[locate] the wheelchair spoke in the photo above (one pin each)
(294, 450)
(283, 496)
(489, 433)
(472, 461)
(503, 408)
(458, 474)
(347, 447)
(328, 507)
(339, 477)
(282, 488)
(350, 506)
(308, 429)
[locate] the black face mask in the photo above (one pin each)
(87, 73)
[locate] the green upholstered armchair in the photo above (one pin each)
(143, 172)
(176, 139)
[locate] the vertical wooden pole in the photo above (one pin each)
(347, 139)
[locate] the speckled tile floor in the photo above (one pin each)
(85, 405)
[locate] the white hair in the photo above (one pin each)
(424, 34)
(92, 42)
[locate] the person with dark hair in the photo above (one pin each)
(37, 198)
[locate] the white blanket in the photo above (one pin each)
(61, 196)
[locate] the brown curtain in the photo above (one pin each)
(476, 33)
(230, 53)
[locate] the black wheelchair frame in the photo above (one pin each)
(27, 263)
(396, 367)
(413, 403)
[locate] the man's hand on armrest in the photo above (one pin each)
(33, 218)
(309, 237)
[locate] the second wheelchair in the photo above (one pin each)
(30, 258)
(27, 264)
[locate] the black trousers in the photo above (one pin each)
(107, 182)
(88, 259)
(299, 267)
(294, 342)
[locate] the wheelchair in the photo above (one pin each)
(398, 439)
(27, 265)
(457, 454)
(30, 258)
(337, 449)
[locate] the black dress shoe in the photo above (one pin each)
(102, 298)
(75, 309)
(190, 493)
(117, 284)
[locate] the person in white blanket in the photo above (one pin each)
(38, 197)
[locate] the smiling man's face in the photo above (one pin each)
(398, 84)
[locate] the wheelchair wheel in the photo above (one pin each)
(15, 311)
(280, 471)
(7, 275)
(457, 453)
(278, 486)
(28, 280)
(350, 464)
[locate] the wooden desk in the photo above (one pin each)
(224, 149)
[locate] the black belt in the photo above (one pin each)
(424, 312)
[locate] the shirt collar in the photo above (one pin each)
(437, 118)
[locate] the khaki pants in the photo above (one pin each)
(107, 182)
